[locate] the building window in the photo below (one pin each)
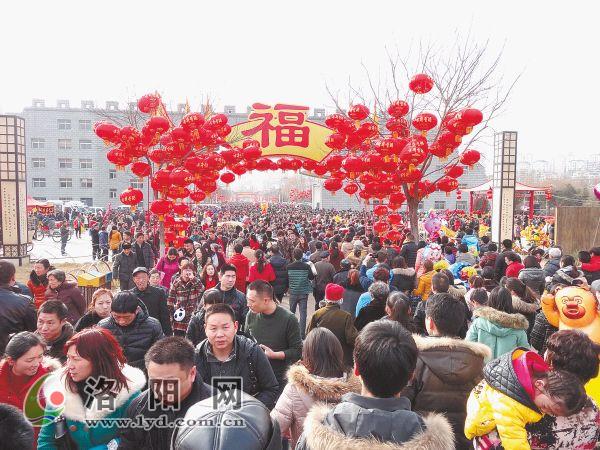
(87, 201)
(85, 124)
(38, 162)
(65, 182)
(64, 124)
(65, 199)
(64, 144)
(112, 193)
(39, 182)
(439, 205)
(461, 204)
(65, 163)
(38, 142)
(85, 183)
(40, 199)
(85, 163)
(136, 183)
(112, 174)
(85, 144)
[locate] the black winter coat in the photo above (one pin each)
(409, 253)
(280, 283)
(195, 331)
(155, 300)
(370, 313)
(17, 313)
(137, 337)
(158, 438)
(251, 364)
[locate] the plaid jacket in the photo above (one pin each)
(184, 295)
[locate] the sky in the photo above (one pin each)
(241, 52)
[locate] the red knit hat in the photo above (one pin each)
(334, 292)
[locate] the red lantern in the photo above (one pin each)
(351, 188)
(309, 164)
(397, 198)
(425, 122)
(148, 103)
(334, 120)
(380, 226)
(251, 149)
(336, 141)
(395, 219)
(398, 108)
(227, 177)
(454, 171)
(158, 155)
(470, 157)
(197, 196)
(239, 168)
(181, 177)
(470, 117)
(158, 124)
(380, 210)
(216, 122)
(333, 184)
(489, 194)
(358, 112)
(181, 209)
(161, 207)
(397, 125)
(141, 169)
(421, 84)
(118, 157)
(548, 195)
(447, 184)
(107, 132)
(131, 197)
(320, 170)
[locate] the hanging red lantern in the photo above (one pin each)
(309, 164)
(395, 219)
(336, 141)
(158, 155)
(131, 197)
(215, 122)
(118, 157)
(421, 83)
(162, 178)
(227, 177)
(380, 210)
(333, 184)
(181, 209)
(358, 112)
(251, 149)
(397, 198)
(197, 196)
(398, 108)
(397, 125)
(454, 171)
(367, 130)
(320, 170)
(470, 158)
(470, 116)
(424, 122)
(239, 168)
(108, 132)
(161, 207)
(393, 235)
(334, 120)
(148, 103)
(351, 188)
(181, 177)
(380, 226)
(141, 169)
(447, 184)
(181, 226)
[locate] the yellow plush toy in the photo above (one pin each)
(575, 308)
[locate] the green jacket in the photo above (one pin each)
(500, 331)
(85, 436)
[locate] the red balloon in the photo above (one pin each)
(421, 84)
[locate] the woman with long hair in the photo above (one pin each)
(209, 276)
(95, 383)
(319, 377)
(261, 269)
(23, 365)
(169, 266)
(497, 325)
(524, 300)
(398, 309)
(38, 281)
(352, 291)
(99, 309)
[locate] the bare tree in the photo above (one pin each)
(465, 75)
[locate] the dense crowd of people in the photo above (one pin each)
(428, 343)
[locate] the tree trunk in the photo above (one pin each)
(413, 216)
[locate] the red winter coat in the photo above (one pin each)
(268, 274)
(38, 288)
(513, 269)
(242, 266)
(593, 265)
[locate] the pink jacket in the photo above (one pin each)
(168, 268)
(304, 389)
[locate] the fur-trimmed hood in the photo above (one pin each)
(322, 389)
(438, 435)
(452, 361)
(51, 364)
(500, 318)
(74, 407)
(408, 272)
